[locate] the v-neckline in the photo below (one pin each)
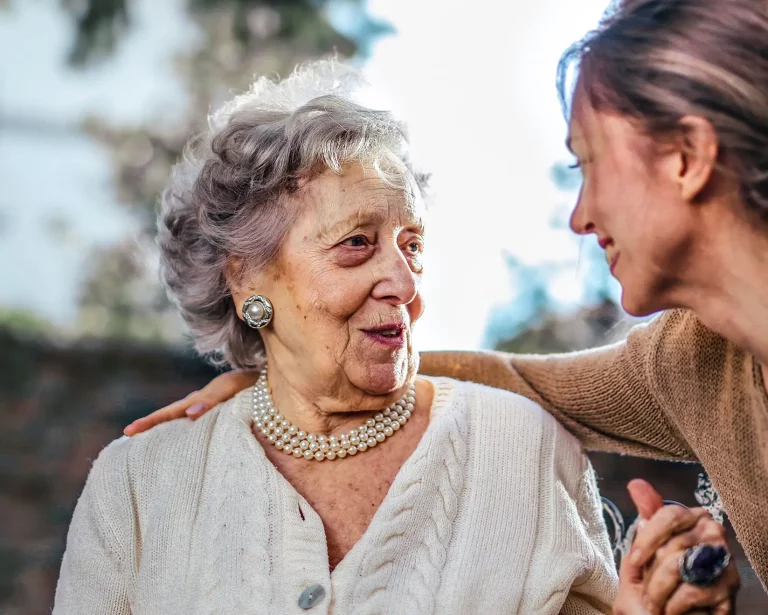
(441, 396)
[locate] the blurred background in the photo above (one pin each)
(97, 98)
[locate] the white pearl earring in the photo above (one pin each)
(257, 311)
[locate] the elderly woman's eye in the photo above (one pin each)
(358, 241)
(415, 246)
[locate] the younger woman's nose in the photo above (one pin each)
(580, 222)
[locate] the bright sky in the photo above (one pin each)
(475, 82)
(477, 86)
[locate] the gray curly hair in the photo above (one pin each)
(227, 196)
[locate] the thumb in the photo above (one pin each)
(645, 497)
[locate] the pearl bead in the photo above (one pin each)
(256, 311)
(293, 441)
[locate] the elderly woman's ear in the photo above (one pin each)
(242, 283)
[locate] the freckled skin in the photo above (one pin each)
(351, 262)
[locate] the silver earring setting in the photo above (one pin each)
(257, 311)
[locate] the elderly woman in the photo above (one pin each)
(669, 121)
(340, 482)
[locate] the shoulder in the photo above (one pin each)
(165, 457)
(493, 412)
(678, 348)
(677, 338)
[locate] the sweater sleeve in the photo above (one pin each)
(595, 592)
(92, 577)
(605, 396)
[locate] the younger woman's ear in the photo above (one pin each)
(698, 149)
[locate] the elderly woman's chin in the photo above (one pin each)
(380, 371)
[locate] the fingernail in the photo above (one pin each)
(641, 524)
(196, 409)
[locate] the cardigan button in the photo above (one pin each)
(311, 596)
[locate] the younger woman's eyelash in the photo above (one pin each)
(575, 165)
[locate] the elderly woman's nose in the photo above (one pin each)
(398, 282)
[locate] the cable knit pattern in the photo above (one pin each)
(496, 511)
(420, 509)
(673, 389)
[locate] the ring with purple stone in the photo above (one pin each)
(704, 564)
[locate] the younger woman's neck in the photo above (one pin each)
(731, 293)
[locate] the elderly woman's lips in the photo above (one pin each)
(394, 337)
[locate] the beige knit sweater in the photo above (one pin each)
(495, 512)
(672, 390)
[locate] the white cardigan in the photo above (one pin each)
(497, 511)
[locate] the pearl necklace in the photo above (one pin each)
(292, 441)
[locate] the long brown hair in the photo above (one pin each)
(657, 61)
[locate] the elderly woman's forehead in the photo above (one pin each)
(348, 194)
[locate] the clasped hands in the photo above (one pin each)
(650, 577)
